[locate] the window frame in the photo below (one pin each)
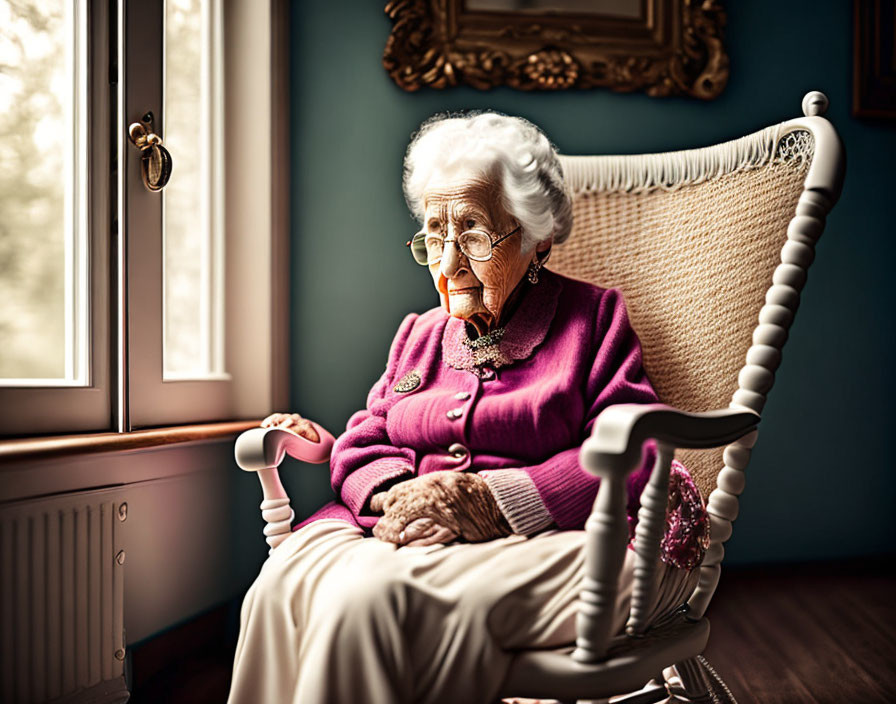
(252, 335)
(150, 400)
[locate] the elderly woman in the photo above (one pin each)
(464, 464)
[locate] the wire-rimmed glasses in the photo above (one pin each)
(427, 247)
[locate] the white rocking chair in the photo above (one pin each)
(710, 248)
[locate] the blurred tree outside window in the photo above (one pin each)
(38, 222)
(193, 222)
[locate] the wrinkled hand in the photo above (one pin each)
(437, 508)
(422, 531)
(294, 422)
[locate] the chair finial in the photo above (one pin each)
(815, 103)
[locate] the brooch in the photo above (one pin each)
(408, 382)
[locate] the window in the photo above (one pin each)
(42, 66)
(54, 223)
(120, 307)
(192, 205)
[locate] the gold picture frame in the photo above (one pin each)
(672, 47)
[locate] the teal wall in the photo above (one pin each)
(820, 483)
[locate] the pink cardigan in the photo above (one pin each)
(517, 417)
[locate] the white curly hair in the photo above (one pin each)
(487, 144)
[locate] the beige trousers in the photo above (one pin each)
(334, 617)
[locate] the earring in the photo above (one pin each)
(534, 267)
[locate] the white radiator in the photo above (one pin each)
(61, 604)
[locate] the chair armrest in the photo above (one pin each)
(262, 450)
(621, 430)
(612, 452)
(259, 448)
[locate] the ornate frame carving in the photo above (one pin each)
(674, 48)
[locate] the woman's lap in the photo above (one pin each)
(420, 622)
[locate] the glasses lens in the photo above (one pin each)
(434, 246)
(475, 244)
(418, 249)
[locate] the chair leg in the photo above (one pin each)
(697, 682)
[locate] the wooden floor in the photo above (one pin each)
(808, 634)
(784, 635)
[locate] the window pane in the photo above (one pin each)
(42, 248)
(193, 239)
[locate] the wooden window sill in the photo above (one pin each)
(16, 450)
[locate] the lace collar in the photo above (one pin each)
(516, 341)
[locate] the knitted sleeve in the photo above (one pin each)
(363, 458)
(557, 491)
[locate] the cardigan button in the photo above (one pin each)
(462, 396)
(458, 451)
(455, 413)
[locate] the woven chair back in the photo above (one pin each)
(691, 239)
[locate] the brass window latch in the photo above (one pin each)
(155, 158)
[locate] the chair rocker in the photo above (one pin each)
(710, 248)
